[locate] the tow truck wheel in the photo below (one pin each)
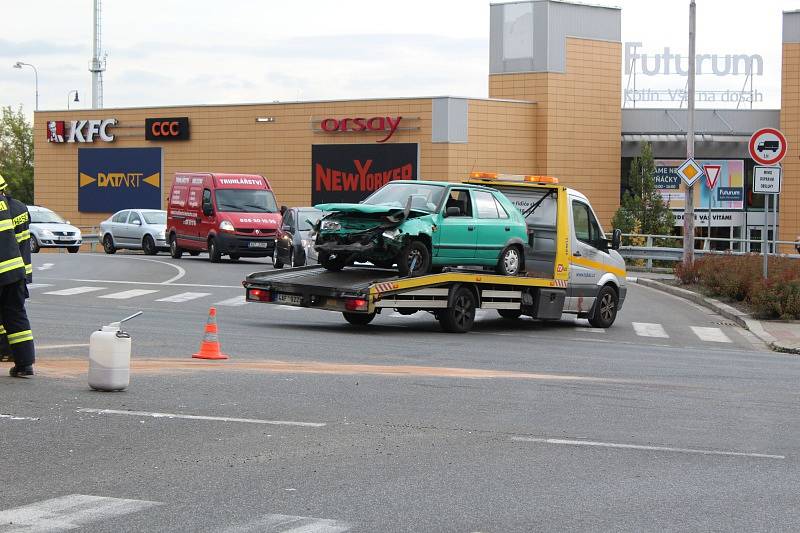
(414, 259)
(605, 308)
(213, 251)
(511, 314)
(359, 319)
(460, 316)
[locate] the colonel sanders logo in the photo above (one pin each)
(55, 131)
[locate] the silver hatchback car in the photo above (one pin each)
(48, 230)
(135, 229)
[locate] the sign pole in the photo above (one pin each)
(764, 240)
(688, 216)
(708, 237)
(775, 224)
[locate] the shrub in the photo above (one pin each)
(777, 299)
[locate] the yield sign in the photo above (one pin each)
(712, 173)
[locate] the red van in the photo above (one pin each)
(224, 214)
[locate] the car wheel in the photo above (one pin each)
(359, 319)
(511, 314)
(213, 251)
(73, 249)
(414, 259)
(35, 245)
(108, 245)
(330, 262)
(234, 257)
(174, 250)
(276, 262)
(605, 308)
(149, 245)
(510, 262)
(460, 316)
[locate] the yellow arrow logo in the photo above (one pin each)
(86, 179)
(154, 180)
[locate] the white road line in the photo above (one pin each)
(199, 417)
(592, 330)
(39, 285)
(67, 513)
(12, 417)
(75, 290)
(125, 282)
(124, 295)
(645, 329)
(279, 523)
(45, 266)
(183, 297)
(179, 275)
(233, 302)
(570, 442)
(710, 334)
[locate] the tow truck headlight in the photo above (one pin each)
(391, 233)
(331, 225)
(226, 226)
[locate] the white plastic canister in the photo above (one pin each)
(109, 358)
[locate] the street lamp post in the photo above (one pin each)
(20, 64)
(76, 97)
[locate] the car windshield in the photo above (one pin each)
(424, 197)
(246, 201)
(45, 217)
(305, 216)
(155, 217)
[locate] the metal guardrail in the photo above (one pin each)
(651, 253)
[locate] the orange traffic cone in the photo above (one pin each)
(209, 348)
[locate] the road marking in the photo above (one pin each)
(710, 334)
(124, 295)
(571, 442)
(75, 290)
(39, 285)
(181, 272)
(183, 297)
(233, 302)
(199, 417)
(125, 282)
(280, 523)
(592, 330)
(67, 513)
(45, 266)
(12, 417)
(645, 329)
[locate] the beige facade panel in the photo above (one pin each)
(789, 217)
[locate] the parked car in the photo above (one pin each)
(135, 229)
(48, 230)
(293, 243)
(224, 214)
(423, 226)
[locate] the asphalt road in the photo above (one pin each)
(670, 420)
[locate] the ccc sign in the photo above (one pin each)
(166, 129)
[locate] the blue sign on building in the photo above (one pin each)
(730, 194)
(110, 179)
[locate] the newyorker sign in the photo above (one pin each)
(351, 172)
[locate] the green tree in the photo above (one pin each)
(16, 153)
(643, 209)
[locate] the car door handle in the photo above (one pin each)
(508, 228)
(577, 253)
(470, 228)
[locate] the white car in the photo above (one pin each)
(48, 230)
(135, 229)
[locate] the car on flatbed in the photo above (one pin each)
(570, 267)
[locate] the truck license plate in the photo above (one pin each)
(258, 244)
(291, 299)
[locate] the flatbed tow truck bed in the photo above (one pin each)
(452, 296)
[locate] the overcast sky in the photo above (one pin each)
(186, 52)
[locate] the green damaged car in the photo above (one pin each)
(422, 226)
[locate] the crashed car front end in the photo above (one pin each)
(360, 237)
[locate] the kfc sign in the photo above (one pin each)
(166, 129)
(80, 131)
(358, 124)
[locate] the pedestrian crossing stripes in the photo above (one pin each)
(279, 523)
(39, 285)
(67, 513)
(645, 329)
(710, 334)
(75, 290)
(233, 302)
(124, 295)
(184, 297)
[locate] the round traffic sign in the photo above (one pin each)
(767, 146)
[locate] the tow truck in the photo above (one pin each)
(570, 267)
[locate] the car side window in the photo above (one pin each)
(500, 209)
(206, 197)
(288, 220)
(134, 217)
(587, 229)
(460, 198)
(484, 202)
(121, 217)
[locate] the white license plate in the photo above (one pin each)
(66, 238)
(258, 244)
(291, 299)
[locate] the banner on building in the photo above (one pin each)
(727, 195)
(110, 179)
(351, 172)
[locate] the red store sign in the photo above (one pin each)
(358, 124)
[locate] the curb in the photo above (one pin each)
(741, 318)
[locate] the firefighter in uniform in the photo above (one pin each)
(15, 273)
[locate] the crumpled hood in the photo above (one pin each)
(365, 209)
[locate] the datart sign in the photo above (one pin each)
(166, 129)
(110, 179)
(351, 172)
(80, 131)
(726, 195)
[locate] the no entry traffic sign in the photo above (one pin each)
(767, 146)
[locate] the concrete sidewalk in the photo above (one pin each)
(780, 336)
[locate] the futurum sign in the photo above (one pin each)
(110, 179)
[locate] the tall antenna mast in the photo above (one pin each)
(97, 65)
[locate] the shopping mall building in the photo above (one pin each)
(554, 108)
